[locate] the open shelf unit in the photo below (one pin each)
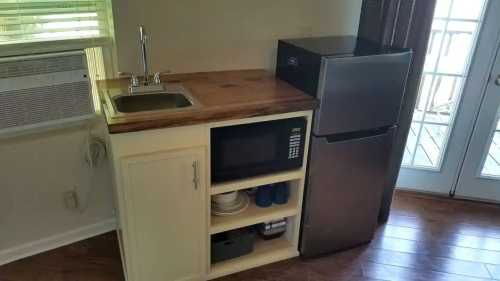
(253, 215)
(269, 251)
(265, 252)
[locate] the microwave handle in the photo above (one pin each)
(195, 174)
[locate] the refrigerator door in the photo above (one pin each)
(360, 93)
(345, 184)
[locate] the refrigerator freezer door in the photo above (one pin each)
(360, 93)
(344, 190)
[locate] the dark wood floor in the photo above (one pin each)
(426, 238)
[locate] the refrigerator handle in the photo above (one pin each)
(360, 135)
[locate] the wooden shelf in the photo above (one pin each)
(253, 215)
(256, 181)
(265, 252)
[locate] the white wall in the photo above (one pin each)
(201, 35)
(187, 35)
(34, 172)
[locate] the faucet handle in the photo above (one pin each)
(157, 76)
(134, 80)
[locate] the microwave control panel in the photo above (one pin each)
(294, 145)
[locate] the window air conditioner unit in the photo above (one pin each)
(39, 92)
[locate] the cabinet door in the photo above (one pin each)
(165, 195)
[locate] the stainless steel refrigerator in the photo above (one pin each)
(360, 87)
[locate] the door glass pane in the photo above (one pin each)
(491, 164)
(451, 46)
(430, 144)
(457, 47)
(467, 9)
(411, 143)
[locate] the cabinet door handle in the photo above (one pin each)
(195, 174)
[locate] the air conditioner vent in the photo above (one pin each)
(43, 104)
(41, 66)
(44, 90)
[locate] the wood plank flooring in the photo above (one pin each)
(95, 259)
(426, 238)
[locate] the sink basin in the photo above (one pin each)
(134, 103)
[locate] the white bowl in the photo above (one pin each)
(225, 198)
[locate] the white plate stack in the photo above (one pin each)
(230, 203)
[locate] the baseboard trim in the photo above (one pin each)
(56, 241)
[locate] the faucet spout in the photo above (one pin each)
(144, 57)
(148, 84)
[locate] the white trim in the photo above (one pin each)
(52, 46)
(56, 241)
(48, 126)
(42, 56)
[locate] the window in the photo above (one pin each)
(40, 26)
(28, 21)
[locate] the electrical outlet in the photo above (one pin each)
(70, 200)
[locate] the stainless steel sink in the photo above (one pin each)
(173, 98)
(150, 102)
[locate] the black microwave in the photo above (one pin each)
(248, 150)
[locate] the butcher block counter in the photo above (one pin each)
(223, 95)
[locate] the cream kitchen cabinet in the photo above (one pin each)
(166, 203)
(161, 195)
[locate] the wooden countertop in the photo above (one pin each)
(223, 95)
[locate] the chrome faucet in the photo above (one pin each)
(148, 83)
(143, 40)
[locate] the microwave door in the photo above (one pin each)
(239, 155)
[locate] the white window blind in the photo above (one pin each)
(23, 21)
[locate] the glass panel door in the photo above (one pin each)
(462, 47)
(480, 174)
(451, 46)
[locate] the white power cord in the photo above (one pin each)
(95, 151)
(94, 155)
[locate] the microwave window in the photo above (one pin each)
(242, 152)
